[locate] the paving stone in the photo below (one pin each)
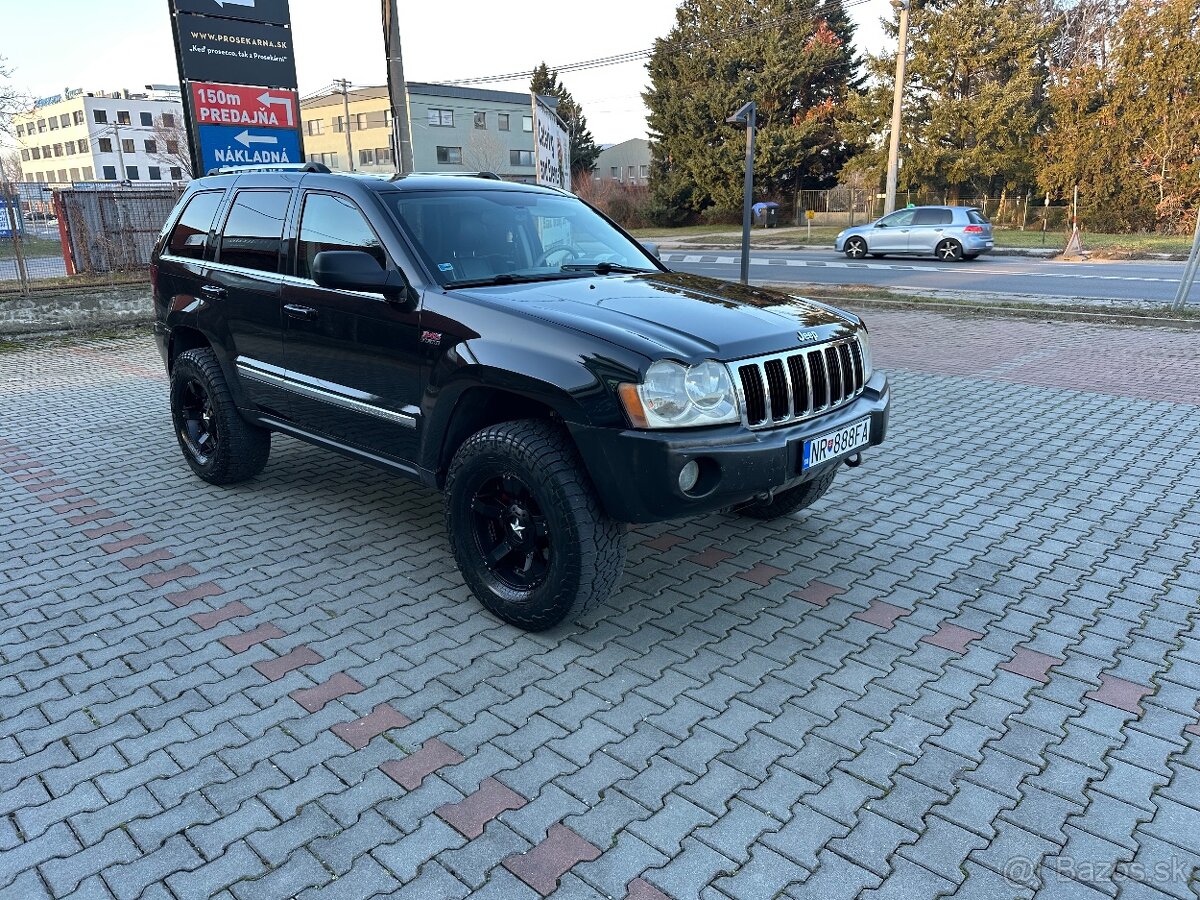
(471, 815)
(360, 732)
(542, 866)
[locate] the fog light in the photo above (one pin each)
(689, 475)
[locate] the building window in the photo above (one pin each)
(53, 123)
(65, 120)
(87, 173)
(366, 157)
(520, 157)
(131, 172)
(328, 159)
(74, 174)
(362, 121)
(151, 146)
(314, 126)
(110, 173)
(77, 117)
(172, 147)
(41, 126)
(339, 124)
(502, 121)
(155, 173)
(147, 119)
(441, 118)
(58, 150)
(127, 145)
(123, 117)
(451, 156)
(481, 120)
(69, 147)
(168, 120)
(527, 124)
(644, 171)
(62, 176)
(632, 170)
(36, 152)
(105, 145)
(616, 173)
(383, 155)
(25, 155)
(100, 116)
(176, 173)
(20, 130)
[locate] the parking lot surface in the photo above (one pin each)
(972, 670)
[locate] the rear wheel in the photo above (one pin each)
(219, 445)
(856, 248)
(949, 251)
(792, 500)
(526, 527)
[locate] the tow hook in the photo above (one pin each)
(854, 461)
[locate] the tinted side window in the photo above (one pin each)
(330, 222)
(933, 217)
(190, 233)
(976, 217)
(254, 229)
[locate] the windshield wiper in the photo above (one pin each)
(506, 278)
(605, 268)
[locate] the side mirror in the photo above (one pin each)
(356, 270)
(881, 224)
(651, 248)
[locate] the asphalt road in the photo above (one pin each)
(1153, 282)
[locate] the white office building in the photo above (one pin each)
(87, 136)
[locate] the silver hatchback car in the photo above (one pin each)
(948, 233)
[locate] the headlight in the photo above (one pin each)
(864, 342)
(673, 395)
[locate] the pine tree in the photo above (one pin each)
(974, 97)
(1127, 130)
(584, 151)
(794, 58)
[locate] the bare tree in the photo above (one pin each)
(486, 152)
(12, 99)
(171, 145)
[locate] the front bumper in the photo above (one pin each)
(637, 472)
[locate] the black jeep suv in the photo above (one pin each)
(510, 346)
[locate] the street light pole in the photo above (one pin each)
(747, 117)
(893, 169)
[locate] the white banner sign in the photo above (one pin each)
(553, 147)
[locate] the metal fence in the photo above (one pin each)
(93, 229)
(843, 206)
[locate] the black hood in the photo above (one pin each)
(671, 314)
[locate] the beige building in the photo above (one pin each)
(627, 162)
(454, 129)
(134, 136)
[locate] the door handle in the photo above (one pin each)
(212, 290)
(300, 312)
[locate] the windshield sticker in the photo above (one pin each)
(445, 267)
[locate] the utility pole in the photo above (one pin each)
(344, 84)
(397, 87)
(893, 169)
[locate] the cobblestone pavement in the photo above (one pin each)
(972, 670)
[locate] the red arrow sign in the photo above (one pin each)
(236, 104)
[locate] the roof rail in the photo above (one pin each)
(272, 167)
(491, 176)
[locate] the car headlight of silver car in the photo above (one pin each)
(672, 395)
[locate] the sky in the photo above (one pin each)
(56, 44)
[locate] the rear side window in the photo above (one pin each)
(190, 233)
(254, 230)
(330, 222)
(933, 217)
(977, 218)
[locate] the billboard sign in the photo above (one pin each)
(234, 52)
(553, 147)
(231, 145)
(274, 12)
(239, 104)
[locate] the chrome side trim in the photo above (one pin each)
(265, 373)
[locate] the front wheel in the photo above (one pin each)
(219, 445)
(526, 526)
(949, 251)
(856, 248)
(792, 500)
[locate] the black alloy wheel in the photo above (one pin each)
(511, 533)
(197, 421)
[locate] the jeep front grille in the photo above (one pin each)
(787, 387)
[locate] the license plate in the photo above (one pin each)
(829, 446)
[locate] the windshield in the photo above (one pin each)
(502, 236)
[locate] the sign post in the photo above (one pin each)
(238, 72)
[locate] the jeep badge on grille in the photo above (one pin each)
(808, 336)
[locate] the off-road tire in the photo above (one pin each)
(242, 449)
(587, 550)
(792, 500)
